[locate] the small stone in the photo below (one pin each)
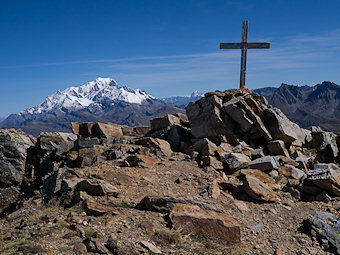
(214, 189)
(150, 247)
(266, 163)
(242, 206)
(80, 249)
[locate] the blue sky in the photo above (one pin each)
(166, 47)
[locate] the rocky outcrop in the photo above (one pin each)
(13, 154)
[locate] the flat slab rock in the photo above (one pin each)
(190, 219)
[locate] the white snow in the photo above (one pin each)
(92, 92)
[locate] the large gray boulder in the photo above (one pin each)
(13, 153)
(205, 117)
(281, 128)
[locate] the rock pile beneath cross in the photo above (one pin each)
(254, 147)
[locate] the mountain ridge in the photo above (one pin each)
(99, 100)
(308, 105)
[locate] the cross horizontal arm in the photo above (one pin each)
(260, 45)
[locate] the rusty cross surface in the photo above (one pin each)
(244, 45)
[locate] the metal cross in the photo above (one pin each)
(244, 45)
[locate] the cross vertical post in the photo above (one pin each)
(244, 54)
(244, 46)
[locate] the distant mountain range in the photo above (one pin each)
(182, 101)
(307, 105)
(99, 100)
(104, 100)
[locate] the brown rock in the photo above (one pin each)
(236, 161)
(224, 147)
(190, 219)
(163, 122)
(106, 130)
(127, 131)
(98, 208)
(156, 145)
(256, 153)
(291, 172)
(140, 131)
(242, 206)
(95, 246)
(214, 189)
(286, 160)
(232, 184)
(97, 188)
(204, 146)
(212, 161)
(75, 128)
(140, 161)
(151, 247)
(259, 190)
(263, 177)
(278, 147)
(214, 93)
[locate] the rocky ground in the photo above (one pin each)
(265, 228)
(234, 176)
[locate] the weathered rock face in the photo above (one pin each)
(205, 117)
(281, 128)
(190, 219)
(56, 142)
(13, 153)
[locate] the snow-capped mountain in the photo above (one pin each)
(99, 100)
(182, 101)
(94, 92)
